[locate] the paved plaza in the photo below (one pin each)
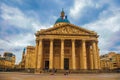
(46, 76)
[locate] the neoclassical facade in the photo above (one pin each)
(66, 47)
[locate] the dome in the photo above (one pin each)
(62, 20)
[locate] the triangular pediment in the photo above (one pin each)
(66, 29)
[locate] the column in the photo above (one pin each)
(51, 55)
(36, 53)
(62, 54)
(39, 59)
(83, 55)
(91, 58)
(94, 55)
(98, 57)
(81, 59)
(73, 55)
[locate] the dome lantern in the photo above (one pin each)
(62, 14)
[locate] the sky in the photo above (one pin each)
(21, 19)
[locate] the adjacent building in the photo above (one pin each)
(7, 62)
(110, 61)
(28, 58)
(22, 63)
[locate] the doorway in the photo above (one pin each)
(66, 63)
(46, 64)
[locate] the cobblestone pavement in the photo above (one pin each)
(44, 76)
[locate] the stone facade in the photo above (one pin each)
(28, 59)
(67, 46)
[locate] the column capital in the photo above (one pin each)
(40, 39)
(94, 41)
(72, 39)
(83, 40)
(37, 39)
(62, 39)
(37, 42)
(51, 39)
(97, 42)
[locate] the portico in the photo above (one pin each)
(82, 54)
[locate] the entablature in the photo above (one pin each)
(49, 37)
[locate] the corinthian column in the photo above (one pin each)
(62, 54)
(51, 54)
(83, 54)
(91, 58)
(73, 55)
(39, 59)
(95, 55)
(36, 54)
(98, 57)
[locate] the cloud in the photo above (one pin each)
(90, 8)
(79, 6)
(115, 42)
(107, 26)
(16, 43)
(14, 16)
(17, 30)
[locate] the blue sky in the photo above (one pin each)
(20, 19)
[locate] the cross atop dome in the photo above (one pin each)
(62, 14)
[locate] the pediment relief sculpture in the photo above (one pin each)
(66, 30)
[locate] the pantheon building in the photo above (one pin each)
(66, 46)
